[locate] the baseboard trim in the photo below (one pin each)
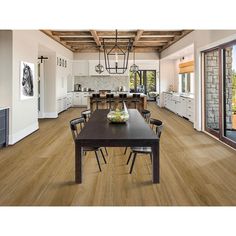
(50, 115)
(16, 137)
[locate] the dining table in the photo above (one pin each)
(99, 132)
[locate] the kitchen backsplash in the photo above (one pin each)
(100, 82)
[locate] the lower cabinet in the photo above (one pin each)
(80, 99)
(4, 124)
(61, 104)
(183, 107)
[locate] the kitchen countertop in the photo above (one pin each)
(181, 95)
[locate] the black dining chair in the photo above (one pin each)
(75, 132)
(146, 114)
(86, 114)
(158, 125)
(110, 100)
(136, 100)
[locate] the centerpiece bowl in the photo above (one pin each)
(118, 115)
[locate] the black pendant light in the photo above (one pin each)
(99, 67)
(134, 68)
(117, 55)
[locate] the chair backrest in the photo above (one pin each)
(74, 126)
(158, 126)
(136, 95)
(96, 95)
(86, 114)
(110, 95)
(146, 115)
(122, 95)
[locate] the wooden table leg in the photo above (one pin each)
(78, 163)
(155, 163)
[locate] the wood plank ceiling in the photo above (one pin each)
(90, 40)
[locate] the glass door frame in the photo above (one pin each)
(220, 134)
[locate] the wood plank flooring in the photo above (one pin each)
(195, 170)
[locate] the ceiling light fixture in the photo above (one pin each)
(99, 67)
(134, 68)
(117, 56)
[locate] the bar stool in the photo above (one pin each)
(136, 99)
(123, 98)
(146, 114)
(110, 100)
(96, 99)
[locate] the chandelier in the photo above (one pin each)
(134, 68)
(99, 67)
(116, 55)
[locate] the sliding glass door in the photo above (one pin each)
(229, 93)
(220, 92)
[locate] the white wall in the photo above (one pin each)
(202, 39)
(25, 47)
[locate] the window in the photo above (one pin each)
(186, 83)
(143, 81)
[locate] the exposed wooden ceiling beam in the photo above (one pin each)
(95, 37)
(71, 33)
(105, 34)
(176, 38)
(76, 39)
(149, 44)
(159, 33)
(56, 38)
(137, 37)
(156, 39)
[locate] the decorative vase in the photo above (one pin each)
(118, 115)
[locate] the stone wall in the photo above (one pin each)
(212, 89)
(228, 86)
(103, 82)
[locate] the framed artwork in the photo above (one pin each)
(60, 62)
(65, 63)
(26, 80)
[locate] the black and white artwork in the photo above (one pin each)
(26, 80)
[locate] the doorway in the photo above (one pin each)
(220, 92)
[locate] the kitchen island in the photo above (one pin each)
(103, 104)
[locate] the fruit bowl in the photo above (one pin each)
(118, 116)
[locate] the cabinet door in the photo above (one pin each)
(80, 68)
(77, 99)
(183, 107)
(84, 99)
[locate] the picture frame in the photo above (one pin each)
(27, 80)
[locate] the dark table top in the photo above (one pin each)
(100, 129)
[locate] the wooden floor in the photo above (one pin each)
(195, 169)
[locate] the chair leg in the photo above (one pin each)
(132, 165)
(103, 156)
(106, 151)
(130, 155)
(150, 156)
(125, 150)
(98, 161)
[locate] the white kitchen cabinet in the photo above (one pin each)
(190, 109)
(61, 104)
(183, 106)
(80, 99)
(69, 101)
(80, 68)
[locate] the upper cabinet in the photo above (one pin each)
(80, 68)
